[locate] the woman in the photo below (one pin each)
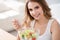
(39, 11)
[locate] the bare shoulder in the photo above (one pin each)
(55, 25)
(55, 30)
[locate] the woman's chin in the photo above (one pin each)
(36, 18)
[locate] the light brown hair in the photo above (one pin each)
(45, 7)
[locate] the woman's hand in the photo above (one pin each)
(16, 24)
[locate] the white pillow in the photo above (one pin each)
(6, 19)
(3, 7)
(15, 5)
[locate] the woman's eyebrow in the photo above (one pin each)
(36, 7)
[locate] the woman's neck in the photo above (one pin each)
(42, 21)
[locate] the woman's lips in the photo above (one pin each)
(37, 15)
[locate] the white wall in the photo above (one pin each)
(53, 1)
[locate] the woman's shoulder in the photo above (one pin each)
(55, 22)
(55, 25)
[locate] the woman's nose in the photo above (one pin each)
(34, 12)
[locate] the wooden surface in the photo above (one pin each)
(6, 36)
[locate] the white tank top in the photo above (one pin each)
(47, 35)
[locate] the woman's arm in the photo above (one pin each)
(18, 38)
(55, 29)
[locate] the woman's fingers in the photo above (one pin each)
(16, 24)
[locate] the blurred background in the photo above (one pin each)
(14, 9)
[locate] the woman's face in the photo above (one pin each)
(35, 10)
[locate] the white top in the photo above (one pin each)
(47, 34)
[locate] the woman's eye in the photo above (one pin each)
(36, 7)
(30, 9)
